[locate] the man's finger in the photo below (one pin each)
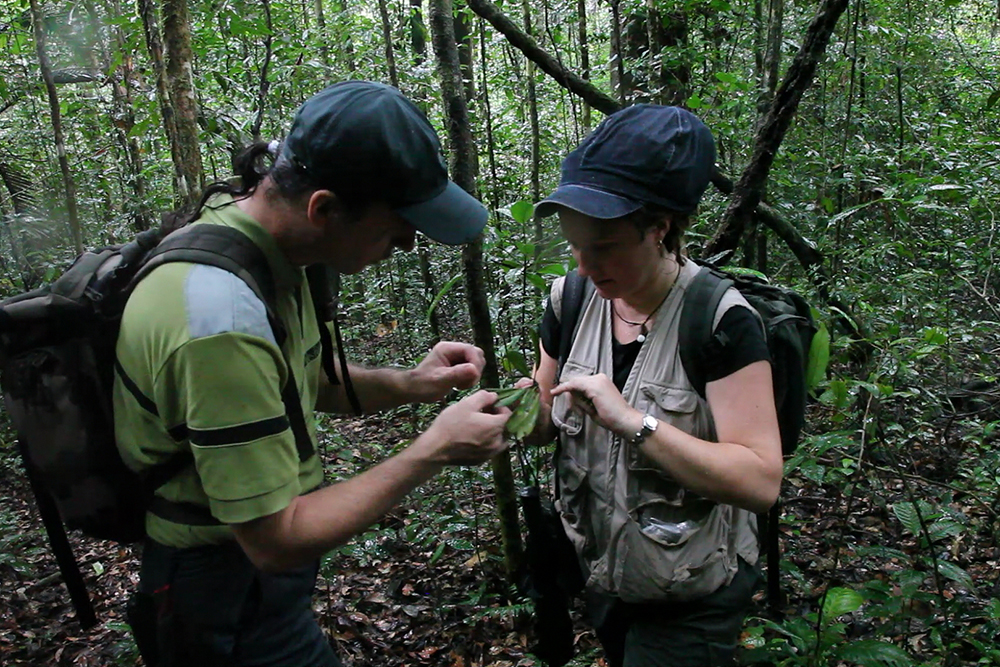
(462, 376)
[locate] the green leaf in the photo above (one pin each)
(992, 101)
(840, 601)
(440, 295)
(512, 397)
(522, 422)
(935, 336)
(907, 515)
(522, 211)
(872, 653)
(819, 357)
(516, 362)
(953, 572)
(695, 102)
(437, 553)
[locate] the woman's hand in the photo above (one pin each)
(599, 398)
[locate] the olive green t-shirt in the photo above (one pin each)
(196, 342)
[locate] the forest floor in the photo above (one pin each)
(425, 587)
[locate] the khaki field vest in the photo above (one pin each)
(641, 536)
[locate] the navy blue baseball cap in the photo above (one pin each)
(367, 139)
(645, 154)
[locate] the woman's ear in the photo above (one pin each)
(323, 209)
(663, 228)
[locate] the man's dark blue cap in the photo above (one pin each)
(365, 138)
(645, 154)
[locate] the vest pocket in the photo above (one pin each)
(572, 502)
(666, 557)
(671, 405)
(566, 419)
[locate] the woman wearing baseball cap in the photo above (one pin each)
(657, 485)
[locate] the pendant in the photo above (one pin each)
(641, 338)
(642, 334)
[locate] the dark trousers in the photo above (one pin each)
(693, 633)
(210, 606)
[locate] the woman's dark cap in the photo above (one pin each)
(645, 154)
(366, 138)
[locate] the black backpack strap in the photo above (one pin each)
(232, 250)
(325, 303)
(576, 289)
(701, 301)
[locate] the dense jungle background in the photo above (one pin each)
(859, 145)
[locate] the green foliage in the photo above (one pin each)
(820, 638)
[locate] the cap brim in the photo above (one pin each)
(589, 201)
(452, 217)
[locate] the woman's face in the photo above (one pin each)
(612, 253)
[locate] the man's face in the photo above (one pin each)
(355, 242)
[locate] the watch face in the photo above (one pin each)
(649, 423)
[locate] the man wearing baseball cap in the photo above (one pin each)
(234, 539)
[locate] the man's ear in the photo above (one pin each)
(323, 208)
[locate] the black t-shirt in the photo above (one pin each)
(746, 344)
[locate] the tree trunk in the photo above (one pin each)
(491, 152)
(324, 48)
(581, 19)
(345, 25)
(418, 44)
(463, 165)
(38, 25)
(390, 56)
(151, 26)
(466, 61)
(264, 84)
(616, 61)
(122, 80)
(534, 177)
(747, 192)
(180, 86)
(670, 84)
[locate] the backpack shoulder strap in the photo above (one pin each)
(701, 301)
(232, 250)
(324, 300)
(576, 291)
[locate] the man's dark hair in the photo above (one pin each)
(290, 181)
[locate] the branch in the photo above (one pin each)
(590, 93)
(772, 131)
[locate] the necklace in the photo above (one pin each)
(643, 329)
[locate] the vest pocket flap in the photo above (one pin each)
(671, 399)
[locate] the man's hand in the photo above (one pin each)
(448, 366)
(468, 432)
(598, 396)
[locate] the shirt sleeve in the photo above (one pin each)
(744, 344)
(550, 331)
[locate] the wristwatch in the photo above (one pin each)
(649, 424)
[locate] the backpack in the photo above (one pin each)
(789, 328)
(57, 368)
